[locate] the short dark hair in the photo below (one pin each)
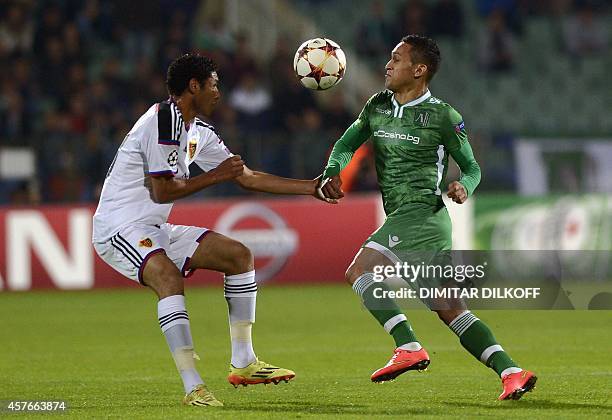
(185, 68)
(424, 50)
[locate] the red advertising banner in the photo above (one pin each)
(293, 240)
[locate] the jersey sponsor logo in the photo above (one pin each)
(173, 159)
(193, 144)
(421, 118)
(394, 240)
(460, 127)
(383, 111)
(146, 242)
(433, 100)
(398, 136)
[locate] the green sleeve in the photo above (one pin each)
(345, 147)
(455, 139)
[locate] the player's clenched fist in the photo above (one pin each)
(328, 189)
(332, 189)
(230, 168)
(456, 192)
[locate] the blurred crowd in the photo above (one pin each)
(502, 25)
(76, 75)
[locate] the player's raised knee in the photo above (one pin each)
(352, 274)
(242, 258)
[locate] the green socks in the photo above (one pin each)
(386, 311)
(478, 339)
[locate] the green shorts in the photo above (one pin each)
(417, 234)
(414, 227)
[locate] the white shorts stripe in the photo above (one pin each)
(126, 253)
(383, 250)
(128, 246)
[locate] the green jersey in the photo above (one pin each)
(411, 143)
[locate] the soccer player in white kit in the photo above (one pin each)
(131, 233)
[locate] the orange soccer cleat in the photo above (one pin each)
(516, 384)
(402, 361)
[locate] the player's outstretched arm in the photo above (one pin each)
(329, 187)
(345, 148)
(265, 182)
(166, 189)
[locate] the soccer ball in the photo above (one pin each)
(319, 63)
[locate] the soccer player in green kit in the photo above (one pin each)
(413, 134)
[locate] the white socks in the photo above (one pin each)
(241, 295)
(174, 323)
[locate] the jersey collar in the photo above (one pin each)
(398, 110)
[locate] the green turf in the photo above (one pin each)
(103, 353)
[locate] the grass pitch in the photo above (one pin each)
(102, 352)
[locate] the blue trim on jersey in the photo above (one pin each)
(161, 173)
(169, 142)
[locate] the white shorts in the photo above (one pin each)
(128, 250)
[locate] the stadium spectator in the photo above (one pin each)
(213, 36)
(73, 44)
(584, 33)
(49, 25)
(13, 120)
(252, 101)
(16, 31)
(512, 10)
(413, 19)
(310, 145)
(447, 19)
(58, 159)
(336, 116)
(497, 44)
(95, 22)
(52, 70)
(374, 34)
(289, 98)
(238, 62)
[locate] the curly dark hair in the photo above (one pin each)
(185, 68)
(424, 50)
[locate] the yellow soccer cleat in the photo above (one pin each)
(259, 372)
(201, 396)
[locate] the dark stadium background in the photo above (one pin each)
(531, 79)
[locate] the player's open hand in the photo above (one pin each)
(457, 192)
(229, 169)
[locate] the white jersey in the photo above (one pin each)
(159, 144)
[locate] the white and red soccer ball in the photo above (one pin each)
(319, 63)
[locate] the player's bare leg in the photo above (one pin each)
(161, 275)
(409, 354)
(220, 253)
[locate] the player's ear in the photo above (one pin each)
(194, 86)
(420, 70)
